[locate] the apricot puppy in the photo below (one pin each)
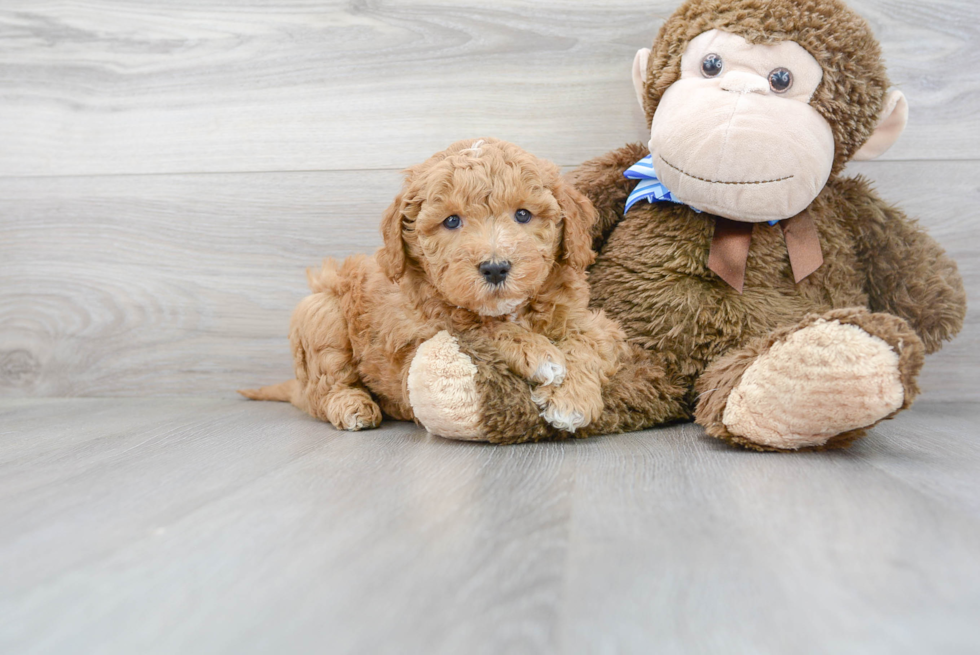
(483, 236)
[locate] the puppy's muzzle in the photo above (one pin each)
(495, 272)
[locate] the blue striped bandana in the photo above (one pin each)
(650, 188)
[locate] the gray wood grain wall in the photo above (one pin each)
(168, 169)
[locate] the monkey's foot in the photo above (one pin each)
(819, 384)
(442, 390)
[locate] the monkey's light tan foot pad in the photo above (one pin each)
(821, 381)
(442, 389)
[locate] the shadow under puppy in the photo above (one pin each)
(484, 240)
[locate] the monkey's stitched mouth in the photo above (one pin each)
(683, 172)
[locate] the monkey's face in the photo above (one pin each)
(736, 136)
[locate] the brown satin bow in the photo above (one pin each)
(730, 247)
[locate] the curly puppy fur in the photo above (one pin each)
(354, 338)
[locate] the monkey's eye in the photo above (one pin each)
(780, 80)
(711, 65)
(452, 222)
(522, 216)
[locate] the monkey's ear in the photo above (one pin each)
(894, 117)
(392, 256)
(578, 217)
(640, 74)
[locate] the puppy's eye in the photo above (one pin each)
(780, 80)
(452, 222)
(711, 65)
(522, 216)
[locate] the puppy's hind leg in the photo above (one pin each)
(328, 386)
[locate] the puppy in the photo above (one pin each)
(483, 236)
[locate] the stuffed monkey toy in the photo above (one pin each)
(779, 304)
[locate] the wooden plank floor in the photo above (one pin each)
(209, 525)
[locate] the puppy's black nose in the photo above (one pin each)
(495, 272)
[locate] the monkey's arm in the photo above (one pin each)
(461, 388)
(601, 180)
(908, 272)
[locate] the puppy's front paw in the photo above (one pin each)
(549, 372)
(567, 421)
(565, 409)
(545, 363)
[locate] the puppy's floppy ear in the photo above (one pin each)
(393, 257)
(578, 217)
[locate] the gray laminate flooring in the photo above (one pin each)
(215, 525)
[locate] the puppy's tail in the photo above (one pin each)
(283, 392)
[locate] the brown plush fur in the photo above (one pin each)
(651, 273)
(354, 338)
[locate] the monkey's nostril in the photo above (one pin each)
(494, 272)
